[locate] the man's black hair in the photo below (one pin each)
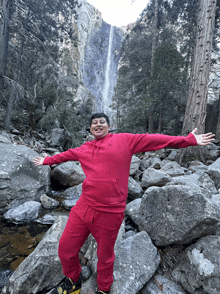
(98, 115)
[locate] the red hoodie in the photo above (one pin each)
(106, 164)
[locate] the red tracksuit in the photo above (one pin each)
(100, 209)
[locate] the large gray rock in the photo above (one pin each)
(5, 138)
(72, 192)
(68, 174)
(136, 260)
(172, 168)
(91, 247)
(90, 285)
(209, 152)
(135, 163)
(198, 269)
(153, 162)
(60, 138)
(132, 209)
(42, 269)
(69, 203)
(172, 155)
(161, 285)
(197, 167)
(50, 218)
(20, 179)
(134, 189)
(24, 213)
(177, 214)
(47, 219)
(161, 154)
(212, 151)
(196, 180)
(48, 202)
(153, 177)
(214, 172)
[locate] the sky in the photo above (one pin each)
(119, 12)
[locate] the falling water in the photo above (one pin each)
(105, 96)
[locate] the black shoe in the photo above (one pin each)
(68, 287)
(102, 292)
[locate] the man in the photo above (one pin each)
(100, 209)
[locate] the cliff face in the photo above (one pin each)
(99, 47)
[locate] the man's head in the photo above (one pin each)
(99, 125)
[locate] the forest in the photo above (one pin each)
(168, 75)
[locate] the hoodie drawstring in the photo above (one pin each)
(97, 145)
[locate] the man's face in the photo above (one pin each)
(99, 127)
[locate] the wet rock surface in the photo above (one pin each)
(33, 273)
(24, 213)
(4, 277)
(18, 241)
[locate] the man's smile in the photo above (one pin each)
(99, 127)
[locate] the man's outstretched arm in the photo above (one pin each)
(151, 142)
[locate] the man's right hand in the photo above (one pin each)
(39, 160)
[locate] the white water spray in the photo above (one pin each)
(105, 95)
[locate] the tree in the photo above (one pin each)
(146, 82)
(167, 85)
(195, 113)
(5, 15)
(154, 47)
(133, 74)
(40, 30)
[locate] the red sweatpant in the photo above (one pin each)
(104, 226)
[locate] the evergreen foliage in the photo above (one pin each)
(155, 67)
(40, 82)
(143, 85)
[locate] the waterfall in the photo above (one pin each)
(99, 68)
(106, 99)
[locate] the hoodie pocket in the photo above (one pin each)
(102, 191)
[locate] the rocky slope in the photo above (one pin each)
(169, 242)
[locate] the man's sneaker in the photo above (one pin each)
(68, 287)
(102, 292)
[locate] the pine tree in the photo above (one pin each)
(42, 28)
(195, 114)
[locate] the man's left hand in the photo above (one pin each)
(203, 139)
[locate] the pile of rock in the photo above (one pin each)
(168, 206)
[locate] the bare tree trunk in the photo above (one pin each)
(154, 47)
(195, 113)
(154, 37)
(160, 119)
(151, 120)
(4, 38)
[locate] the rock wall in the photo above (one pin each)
(99, 47)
